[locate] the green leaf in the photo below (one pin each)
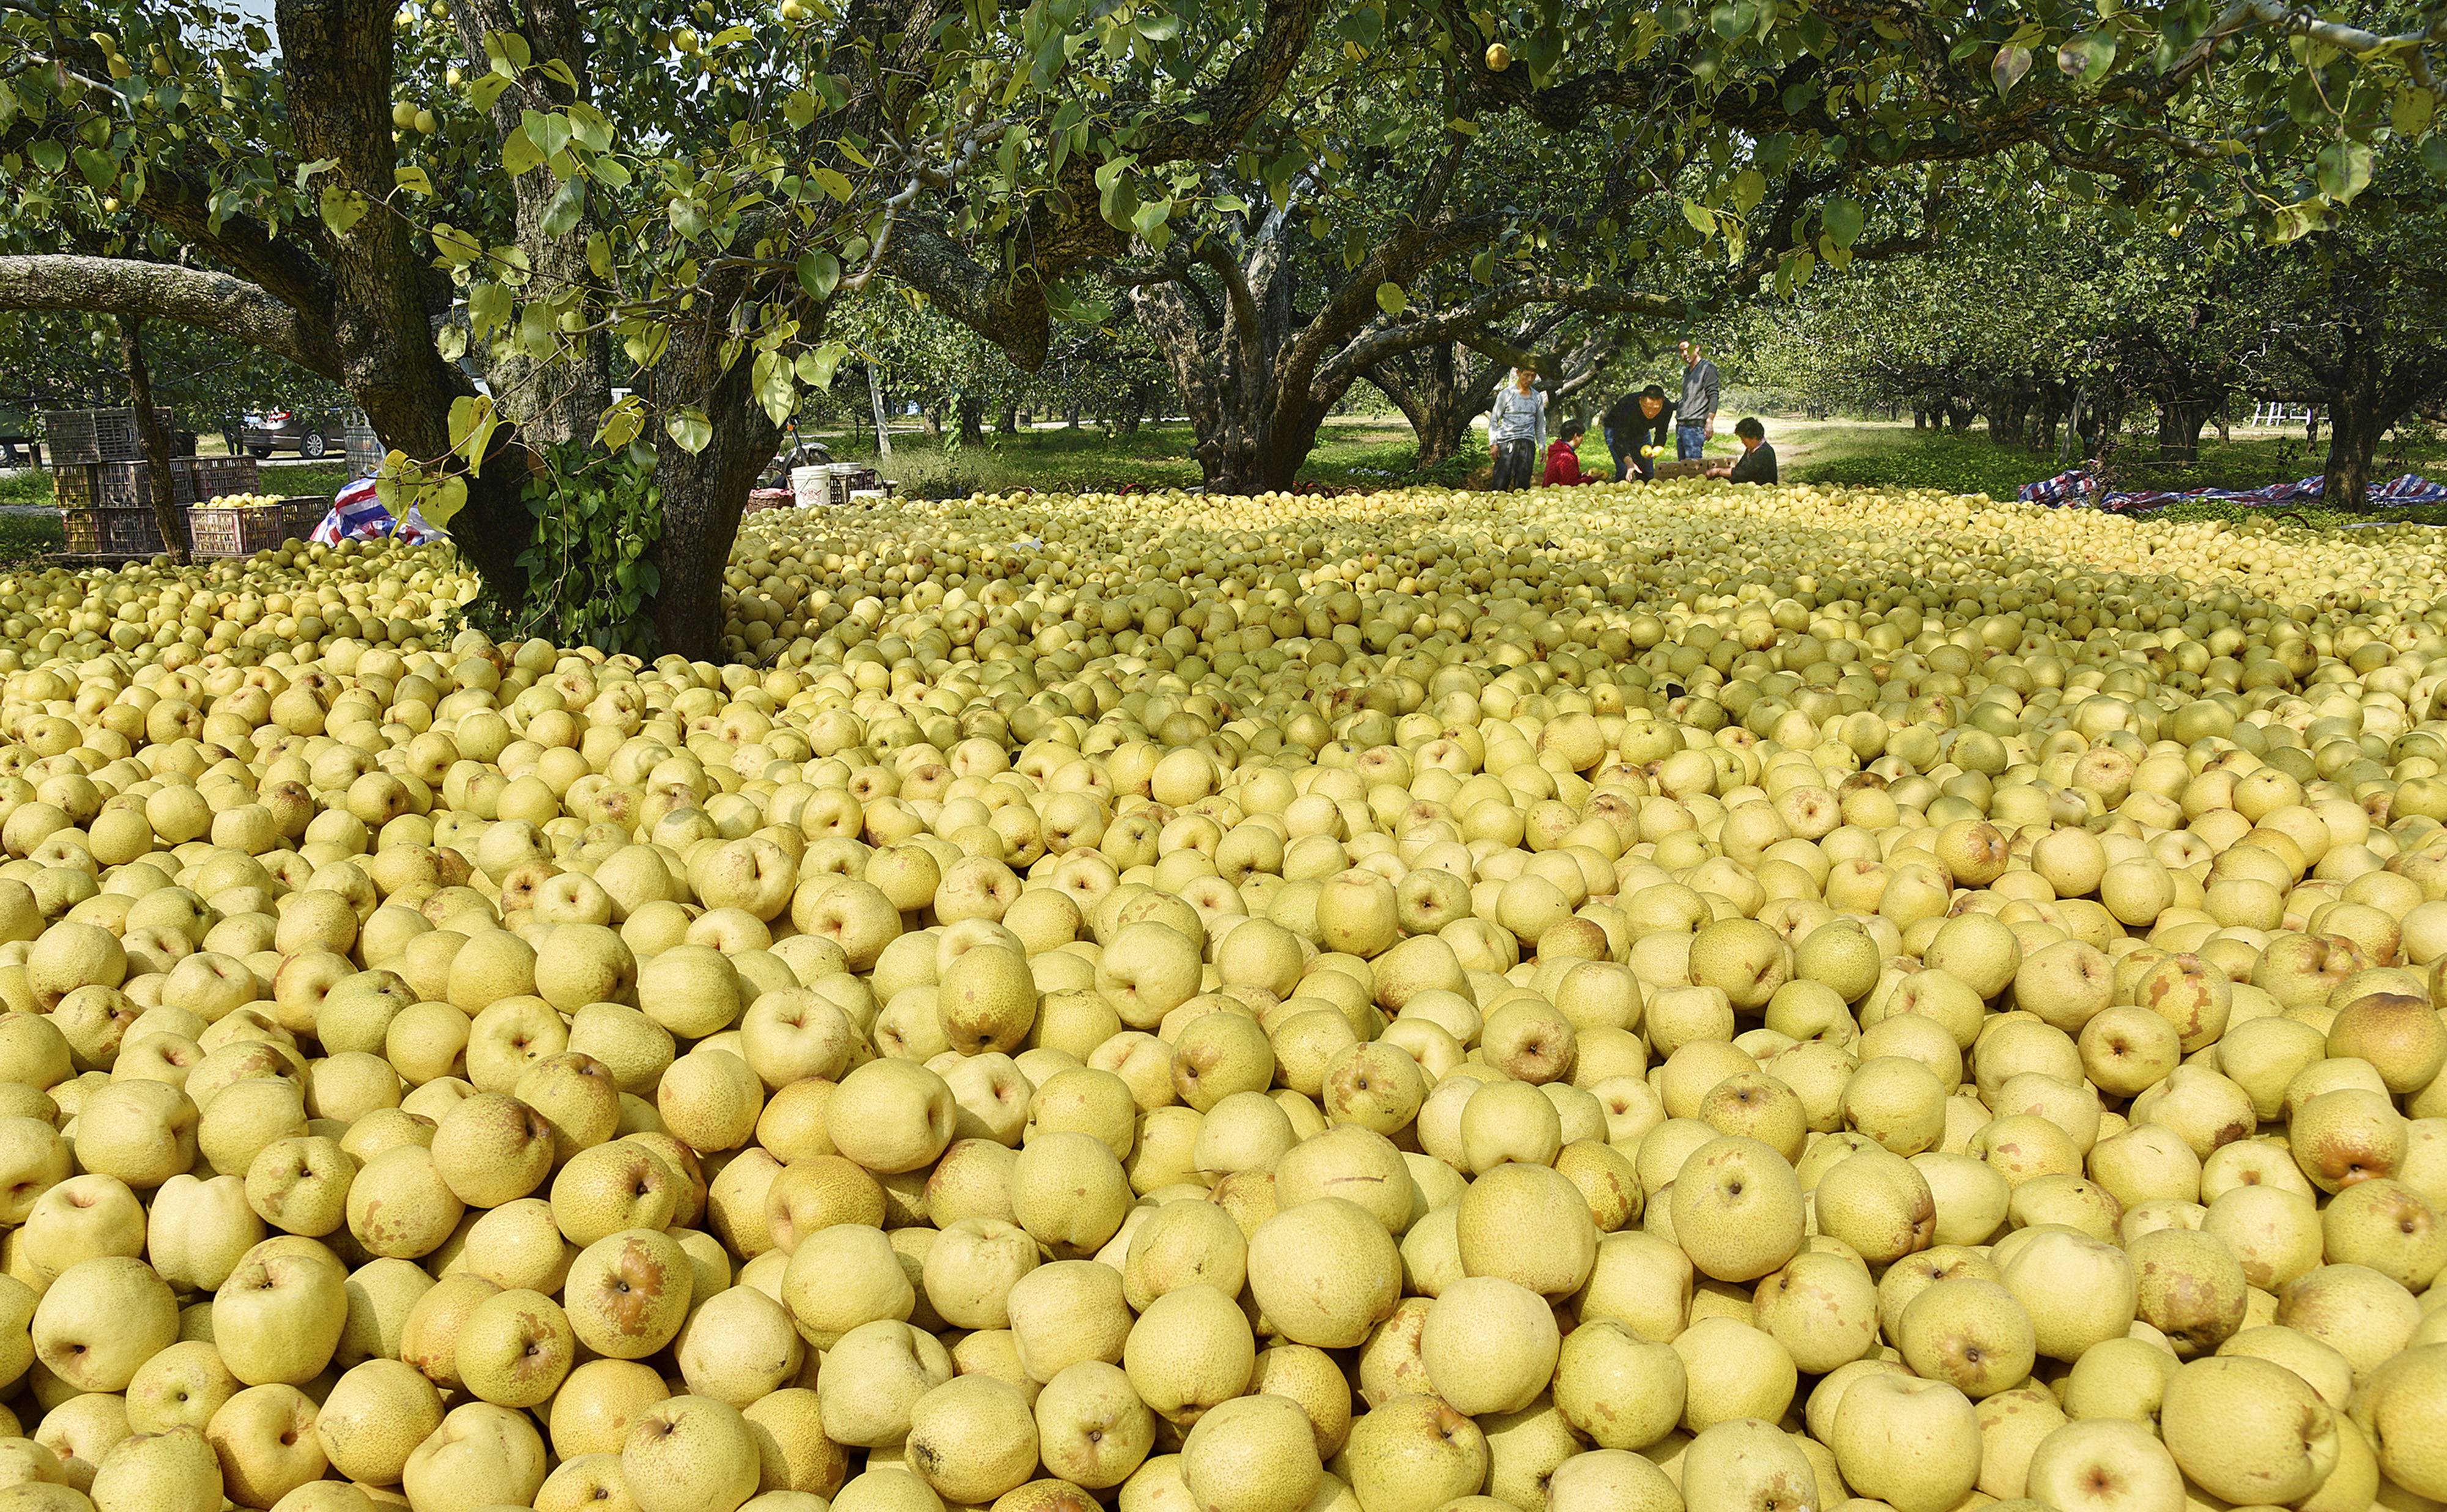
(799, 109)
(2344, 170)
(472, 423)
(550, 133)
(816, 367)
(777, 388)
(623, 424)
(440, 503)
(2013, 61)
(568, 204)
(412, 178)
(1482, 267)
(2295, 222)
(307, 171)
(832, 181)
(1842, 220)
(1703, 220)
(2087, 58)
(598, 256)
(689, 429)
(489, 306)
(485, 88)
(1119, 200)
(1391, 299)
(520, 153)
(2434, 157)
(49, 156)
(99, 168)
(819, 273)
(342, 209)
(2412, 111)
(1158, 27)
(1750, 187)
(590, 128)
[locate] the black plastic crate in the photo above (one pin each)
(128, 484)
(131, 533)
(95, 435)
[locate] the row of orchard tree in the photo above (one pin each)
(648, 228)
(2060, 333)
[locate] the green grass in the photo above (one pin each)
(1365, 451)
(25, 486)
(24, 538)
(1889, 456)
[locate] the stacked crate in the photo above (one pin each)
(77, 436)
(104, 484)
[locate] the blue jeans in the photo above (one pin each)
(1690, 440)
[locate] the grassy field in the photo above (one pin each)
(1369, 451)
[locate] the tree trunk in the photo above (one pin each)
(337, 58)
(972, 413)
(2354, 419)
(2008, 407)
(1007, 421)
(1071, 416)
(1424, 388)
(882, 422)
(156, 438)
(931, 416)
(703, 494)
(2179, 427)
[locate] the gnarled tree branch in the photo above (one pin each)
(159, 291)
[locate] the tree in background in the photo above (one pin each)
(394, 198)
(1441, 387)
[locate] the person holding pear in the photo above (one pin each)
(1635, 429)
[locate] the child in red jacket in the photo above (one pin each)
(1564, 460)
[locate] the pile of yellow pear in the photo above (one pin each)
(1618, 999)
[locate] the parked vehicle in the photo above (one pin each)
(308, 432)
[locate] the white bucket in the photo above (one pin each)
(809, 486)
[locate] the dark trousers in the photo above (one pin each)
(1514, 462)
(1625, 445)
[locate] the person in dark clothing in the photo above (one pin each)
(1757, 462)
(1632, 423)
(1696, 412)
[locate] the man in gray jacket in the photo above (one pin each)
(1695, 417)
(1516, 431)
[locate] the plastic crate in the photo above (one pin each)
(131, 533)
(365, 451)
(761, 500)
(128, 484)
(239, 532)
(95, 435)
(300, 514)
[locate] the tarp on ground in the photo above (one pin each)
(2079, 488)
(357, 514)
